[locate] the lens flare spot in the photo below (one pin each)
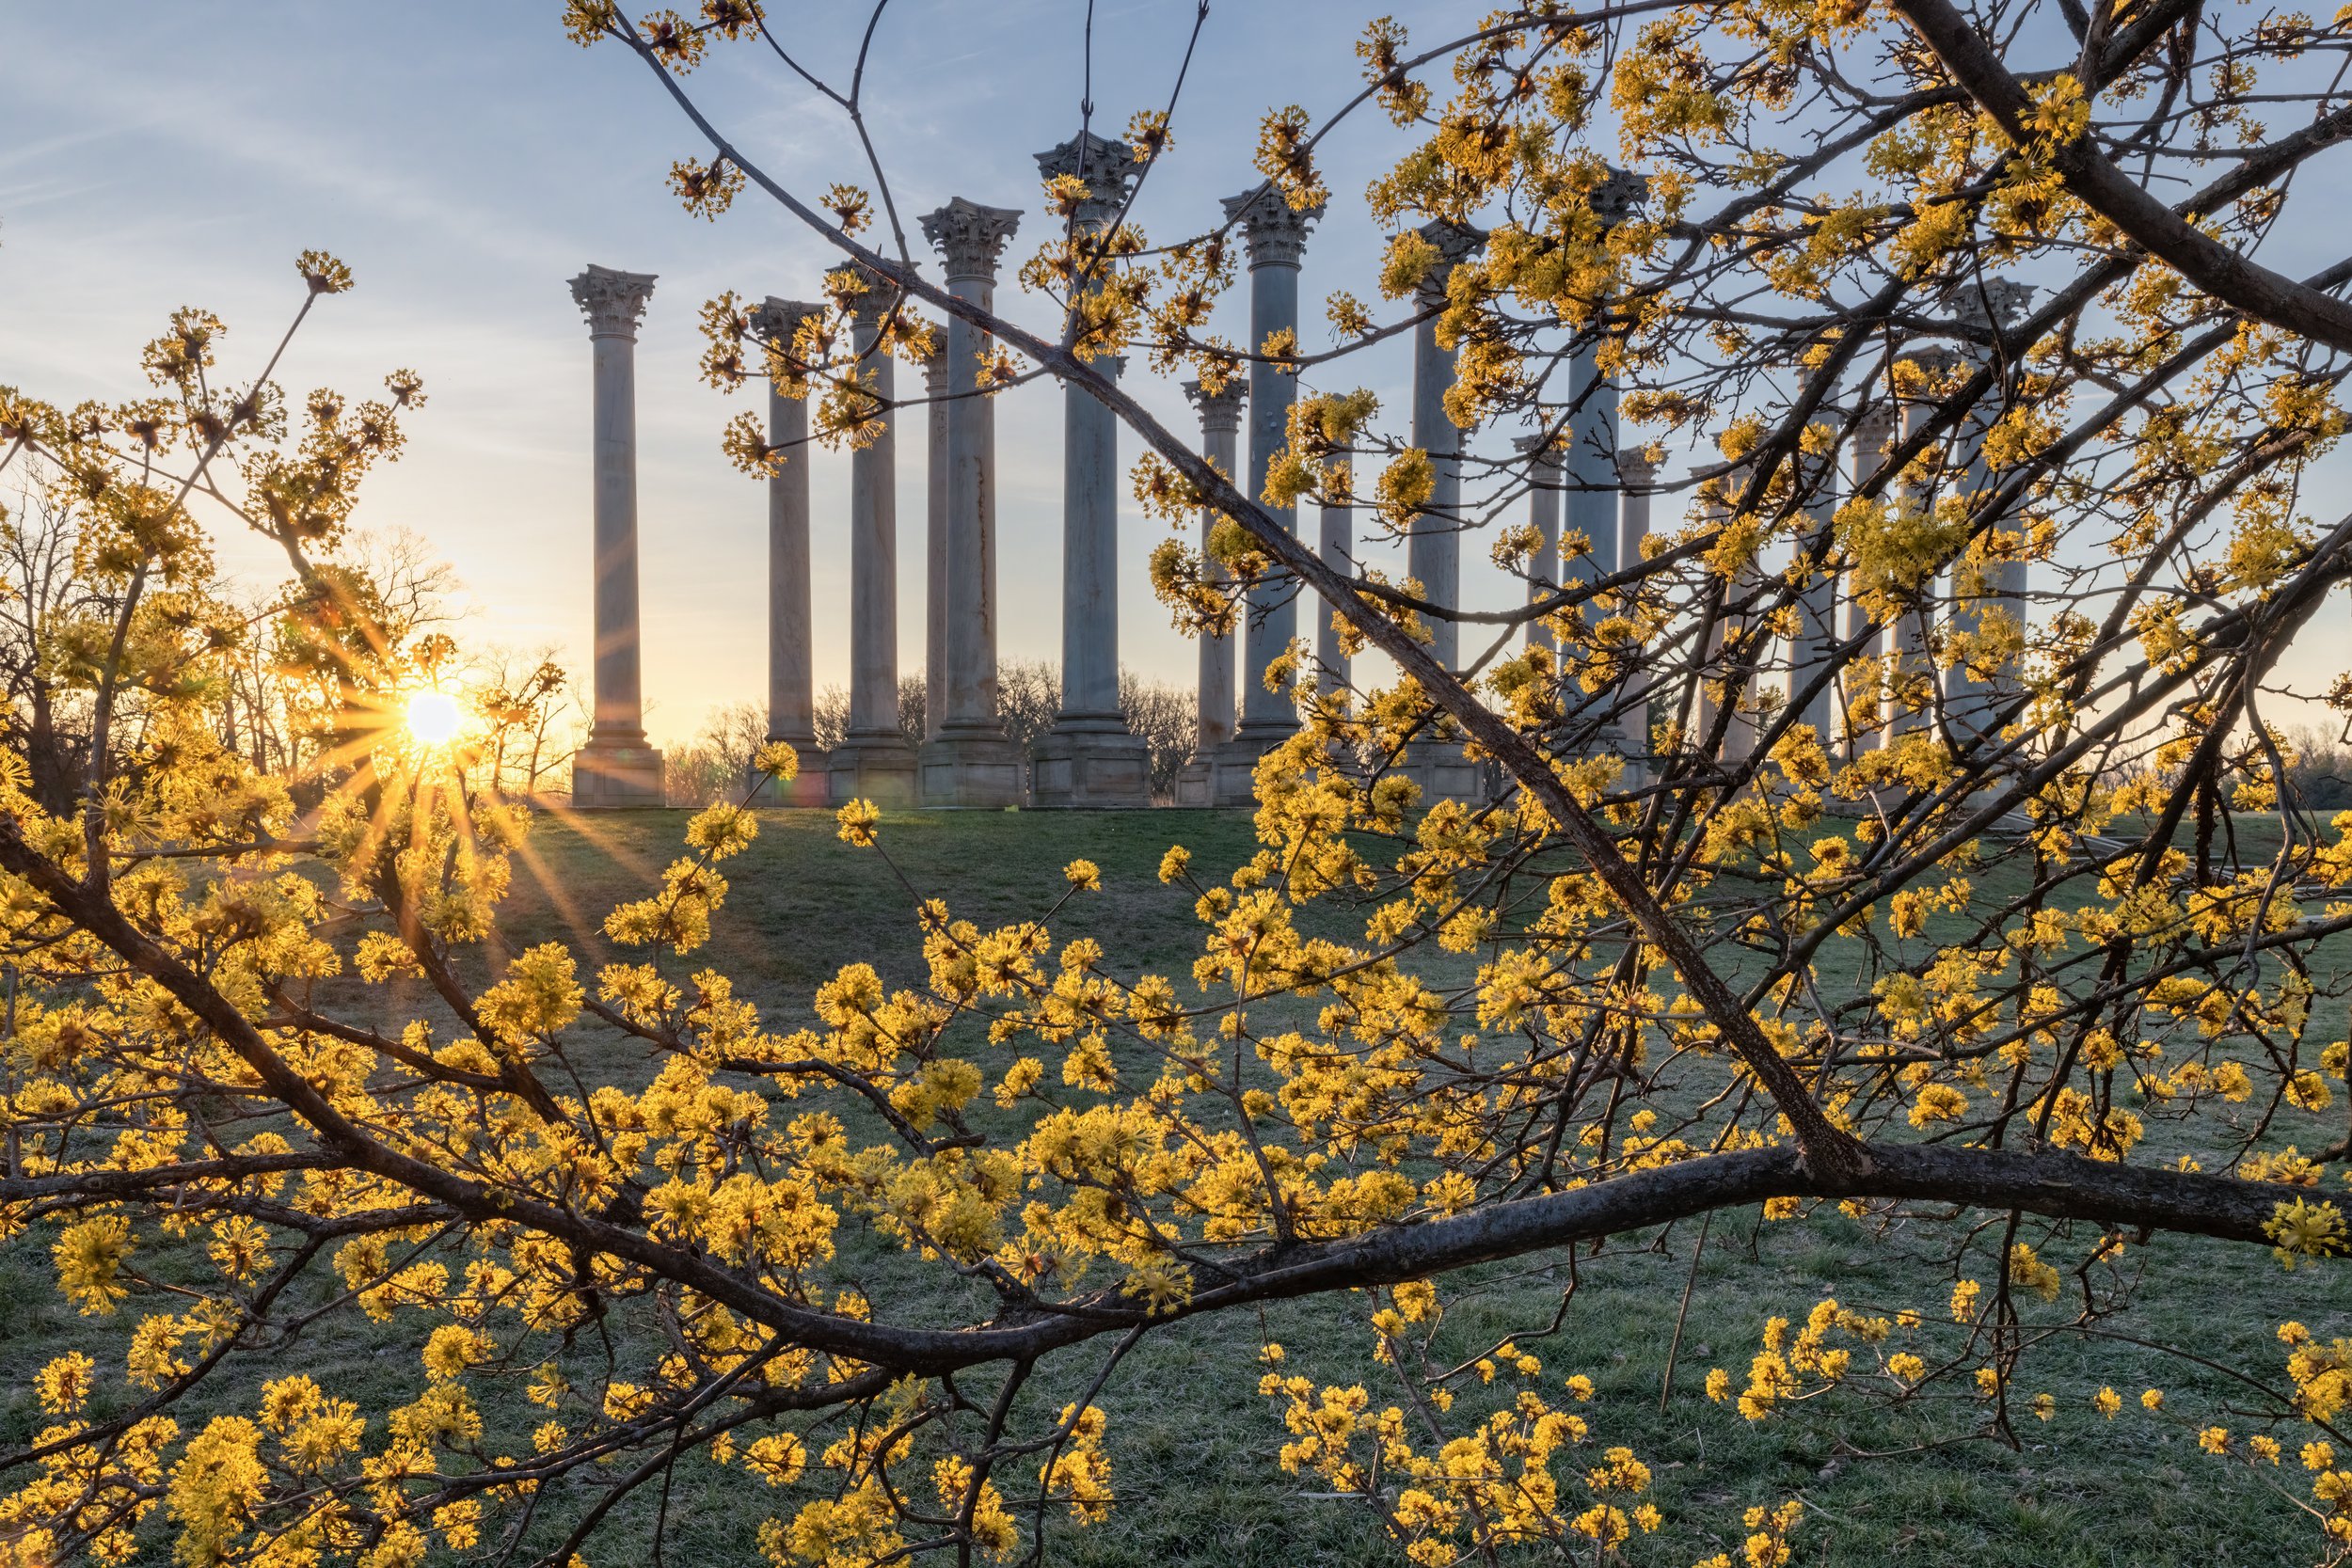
(434, 718)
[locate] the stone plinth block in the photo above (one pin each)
(881, 768)
(1223, 776)
(1087, 769)
(811, 787)
(1444, 773)
(610, 775)
(974, 772)
(1196, 783)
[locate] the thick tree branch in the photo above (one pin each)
(2235, 279)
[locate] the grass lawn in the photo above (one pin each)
(1194, 1443)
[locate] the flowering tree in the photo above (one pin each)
(2016, 967)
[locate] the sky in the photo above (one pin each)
(466, 159)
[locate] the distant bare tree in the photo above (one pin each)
(537, 713)
(831, 717)
(716, 764)
(1168, 718)
(46, 721)
(1028, 694)
(913, 707)
(2319, 777)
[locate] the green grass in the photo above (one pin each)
(1193, 1442)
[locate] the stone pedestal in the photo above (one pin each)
(881, 768)
(811, 788)
(1444, 773)
(611, 773)
(1223, 776)
(969, 771)
(1106, 768)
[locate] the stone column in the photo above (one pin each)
(791, 698)
(1276, 237)
(1815, 645)
(1543, 513)
(970, 763)
(1912, 653)
(935, 545)
(1864, 704)
(1985, 593)
(873, 761)
(1195, 786)
(615, 768)
(1434, 543)
(1727, 658)
(1337, 545)
(1590, 463)
(1090, 758)
(1637, 474)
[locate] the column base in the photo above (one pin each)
(1224, 777)
(1196, 783)
(808, 790)
(1444, 773)
(616, 775)
(969, 772)
(880, 769)
(1091, 770)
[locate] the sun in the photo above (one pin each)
(432, 718)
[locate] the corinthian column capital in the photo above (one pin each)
(1276, 231)
(1220, 411)
(1875, 429)
(1107, 168)
(1934, 363)
(970, 237)
(1544, 447)
(1619, 192)
(1456, 243)
(613, 302)
(1995, 302)
(778, 321)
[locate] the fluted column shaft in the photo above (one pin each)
(620, 710)
(1815, 646)
(1636, 474)
(1591, 465)
(791, 703)
(1273, 617)
(1913, 660)
(1864, 703)
(1433, 553)
(1984, 592)
(1543, 514)
(874, 549)
(1337, 545)
(1089, 563)
(1220, 424)
(971, 685)
(935, 547)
